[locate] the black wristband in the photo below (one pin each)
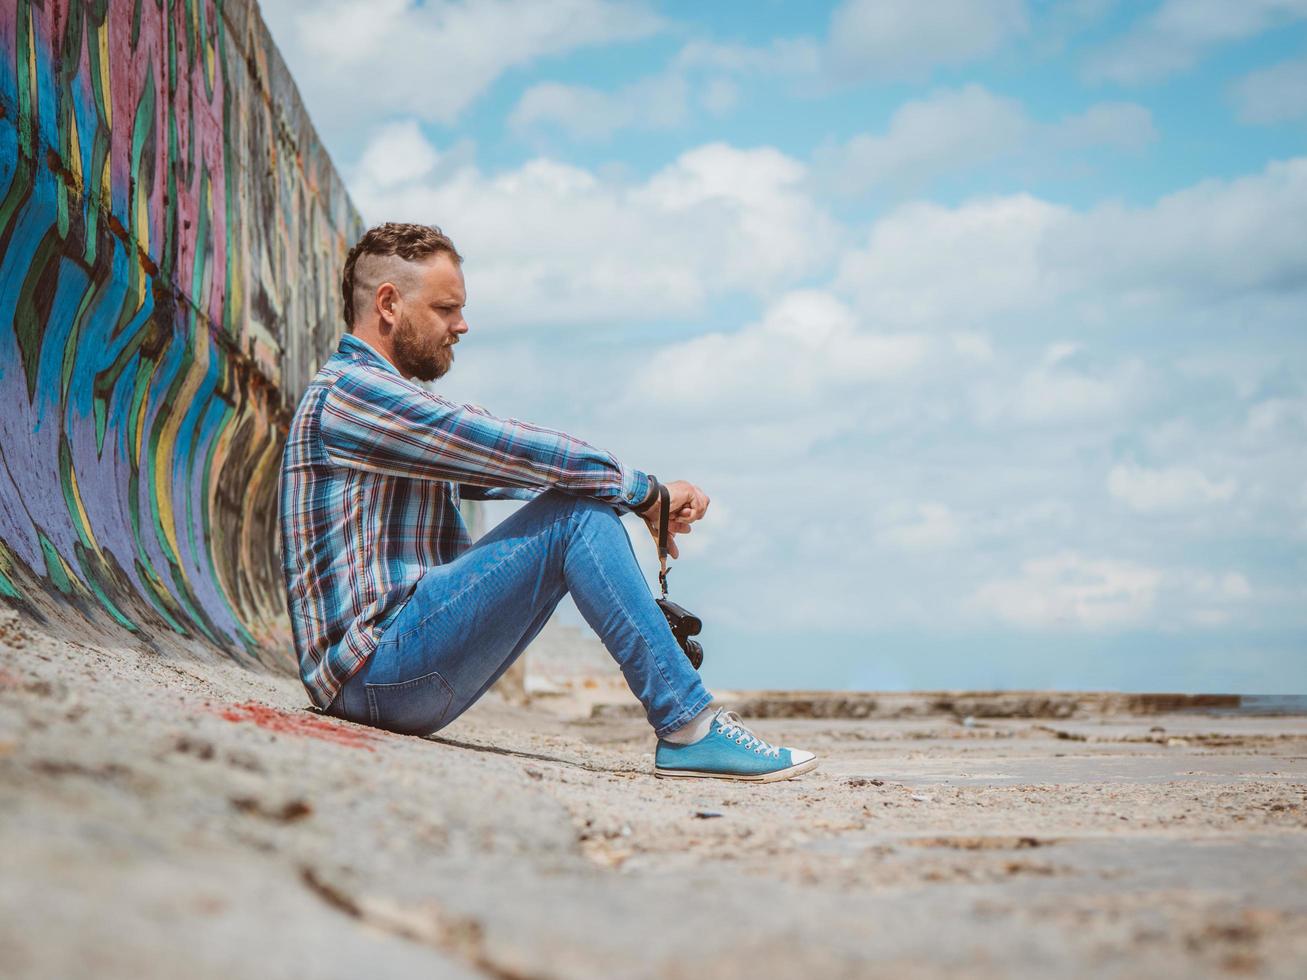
(650, 499)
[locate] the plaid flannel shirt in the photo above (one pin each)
(372, 475)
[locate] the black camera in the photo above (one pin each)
(684, 624)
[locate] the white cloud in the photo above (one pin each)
(1178, 33)
(1220, 459)
(1166, 488)
(1070, 590)
(927, 526)
(866, 39)
(973, 346)
(1225, 587)
(703, 74)
(1208, 599)
(784, 56)
(806, 350)
(1218, 237)
(998, 262)
(361, 61)
(397, 154)
(549, 243)
(927, 265)
(1274, 94)
(1124, 125)
(1276, 421)
(585, 113)
(720, 96)
(954, 130)
(1064, 387)
(906, 38)
(948, 130)
(1058, 25)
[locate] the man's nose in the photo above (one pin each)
(461, 326)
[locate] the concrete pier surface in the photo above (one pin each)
(170, 817)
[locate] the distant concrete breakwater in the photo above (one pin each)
(972, 705)
(171, 236)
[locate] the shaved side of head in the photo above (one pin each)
(372, 270)
(395, 253)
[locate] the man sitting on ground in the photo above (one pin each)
(399, 620)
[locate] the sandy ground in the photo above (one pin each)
(171, 817)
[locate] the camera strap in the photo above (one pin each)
(664, 518)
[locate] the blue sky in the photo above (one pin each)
(981, 321)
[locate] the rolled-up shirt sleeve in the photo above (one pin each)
(378, 422)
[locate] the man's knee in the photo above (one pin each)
(591, 511)
(583, 508)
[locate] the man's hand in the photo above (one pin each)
(687, 504)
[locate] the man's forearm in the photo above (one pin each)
(380, 423)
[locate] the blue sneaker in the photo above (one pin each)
(731, 751)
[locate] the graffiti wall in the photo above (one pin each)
(171, 234)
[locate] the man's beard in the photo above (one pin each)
(424, 357)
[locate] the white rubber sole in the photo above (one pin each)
(766, 777)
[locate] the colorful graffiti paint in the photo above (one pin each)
(171, 232)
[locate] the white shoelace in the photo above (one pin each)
(732, 726)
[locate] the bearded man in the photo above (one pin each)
(400, 621)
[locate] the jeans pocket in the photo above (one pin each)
(415, 707)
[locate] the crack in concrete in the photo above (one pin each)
(426, 923)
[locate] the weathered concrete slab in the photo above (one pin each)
(166, 817)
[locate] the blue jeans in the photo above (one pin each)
(468, 620)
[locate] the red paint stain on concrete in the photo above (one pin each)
(310, 726)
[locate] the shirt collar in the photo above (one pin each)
(352, 347)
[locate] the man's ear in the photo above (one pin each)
(387, 302)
